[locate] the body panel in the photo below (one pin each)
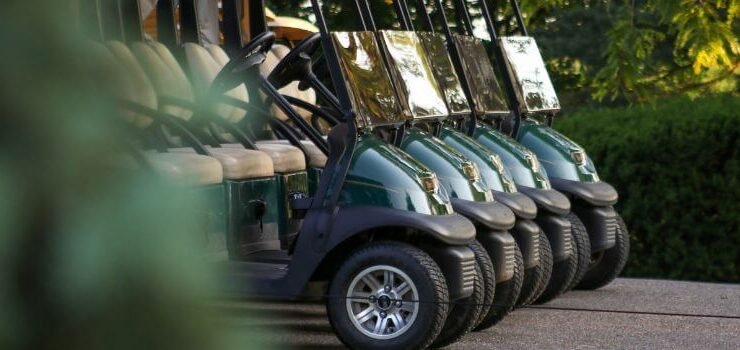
(382, 175)
(557, 152)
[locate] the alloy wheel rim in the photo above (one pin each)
(382, 302)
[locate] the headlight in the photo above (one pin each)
(430, 183)
(497, 163)
(533, 162)
(471, 171)
(579, 157)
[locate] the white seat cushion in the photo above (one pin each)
(285, 158)
(189, 168)
(316, 158)
(238, 164)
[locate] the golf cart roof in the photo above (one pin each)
(413, 74)
(435, 46)
(532, 83)
(368, 83)
(486, 90)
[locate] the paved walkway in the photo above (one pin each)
(628, 314)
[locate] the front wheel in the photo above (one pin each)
(562, 275)
(606, 265)
(536, 278)
(582, 248)
(505, 295)
(388, 296)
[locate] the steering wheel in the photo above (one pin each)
(251, 56)
(296, 65)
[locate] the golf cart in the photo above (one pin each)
(570, 169)
(462, 66)
(370, 78)
(386, 240)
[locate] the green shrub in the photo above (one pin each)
(676, 165)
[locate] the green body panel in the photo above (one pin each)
(314, 176)
(555, 151)
(289, 184)
(383, 175)
(246, 231)
(215, 229)
(496, 178)
(519, 161)
(447, 163)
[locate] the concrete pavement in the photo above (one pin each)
(628, 314)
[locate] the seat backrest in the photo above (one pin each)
(136, 86)
(167, 77)
(203, 70)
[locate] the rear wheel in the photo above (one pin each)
(388, 296)
(582, 248)
(536, 278)
(505, 296)
(606, 265)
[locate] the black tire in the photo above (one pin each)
(505, 296)
(419, 267)
(582, 247)
(561, 278)
(607, 265)
(536, 278)
(463, 316)
(488, 276)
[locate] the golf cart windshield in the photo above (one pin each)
(412, 74)
(486, 90)
(435, 47)
(529, 75)
(368, 82)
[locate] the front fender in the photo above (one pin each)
(549, 200)
(600, 194)
(522, 206)
(451, 229)
(493, 215)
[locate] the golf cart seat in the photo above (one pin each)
(233, 164)
(316, 158)
(238, 164)
(204, 69)
(194, 169)
(190, 168)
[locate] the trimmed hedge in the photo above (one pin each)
(676, 165)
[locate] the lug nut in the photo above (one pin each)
(383, 314)
(373, 299)
(398, 303)
(387, 288)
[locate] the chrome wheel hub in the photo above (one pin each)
(382, 302)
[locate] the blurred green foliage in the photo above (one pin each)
(677, 167)
(95, 252)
